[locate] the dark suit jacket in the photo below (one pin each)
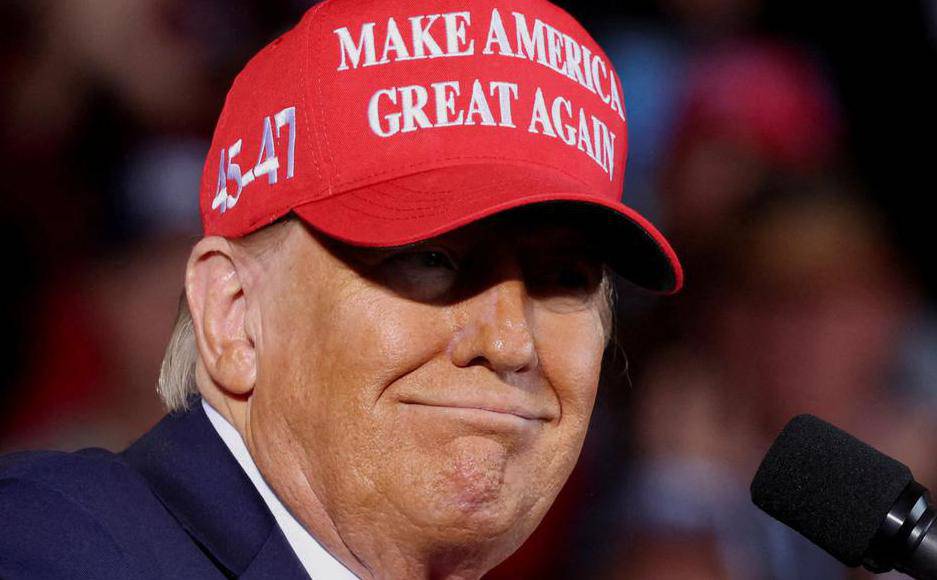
(176, 504)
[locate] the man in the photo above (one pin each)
(393, 328)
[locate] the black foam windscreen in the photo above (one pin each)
(829, 486)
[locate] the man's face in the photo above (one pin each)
(435, 396)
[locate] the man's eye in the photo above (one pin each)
(421, 275)
(574, 279)
(568, 281)
(421, 260)
(431, 259)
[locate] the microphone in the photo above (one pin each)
(858, 504)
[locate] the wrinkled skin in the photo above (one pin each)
(417, 409)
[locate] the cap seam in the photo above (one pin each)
(354, 184)
(426, 203)
(312, 127)
(318, 196)
(333, 168)
(379, 204)
(420, 194)
(364, 211)
(277, 213)
(423, 194)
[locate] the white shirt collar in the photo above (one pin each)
(319, 564)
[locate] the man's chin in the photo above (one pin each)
(472, 497)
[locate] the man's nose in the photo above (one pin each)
(497, 332)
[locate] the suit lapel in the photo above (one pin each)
(275, 560)
(195, 476)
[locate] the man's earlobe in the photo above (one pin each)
(218, 305)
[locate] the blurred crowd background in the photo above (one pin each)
(785, 146)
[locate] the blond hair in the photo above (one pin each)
(176, 385)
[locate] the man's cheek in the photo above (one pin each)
(571, 359)
(389, 338)
(574, 377)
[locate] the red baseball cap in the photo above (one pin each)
(386, 122)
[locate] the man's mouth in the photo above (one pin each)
(480, 409)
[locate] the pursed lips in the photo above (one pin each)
(517, 410)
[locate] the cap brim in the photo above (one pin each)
(428, 204)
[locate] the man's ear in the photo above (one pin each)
(217, 302)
